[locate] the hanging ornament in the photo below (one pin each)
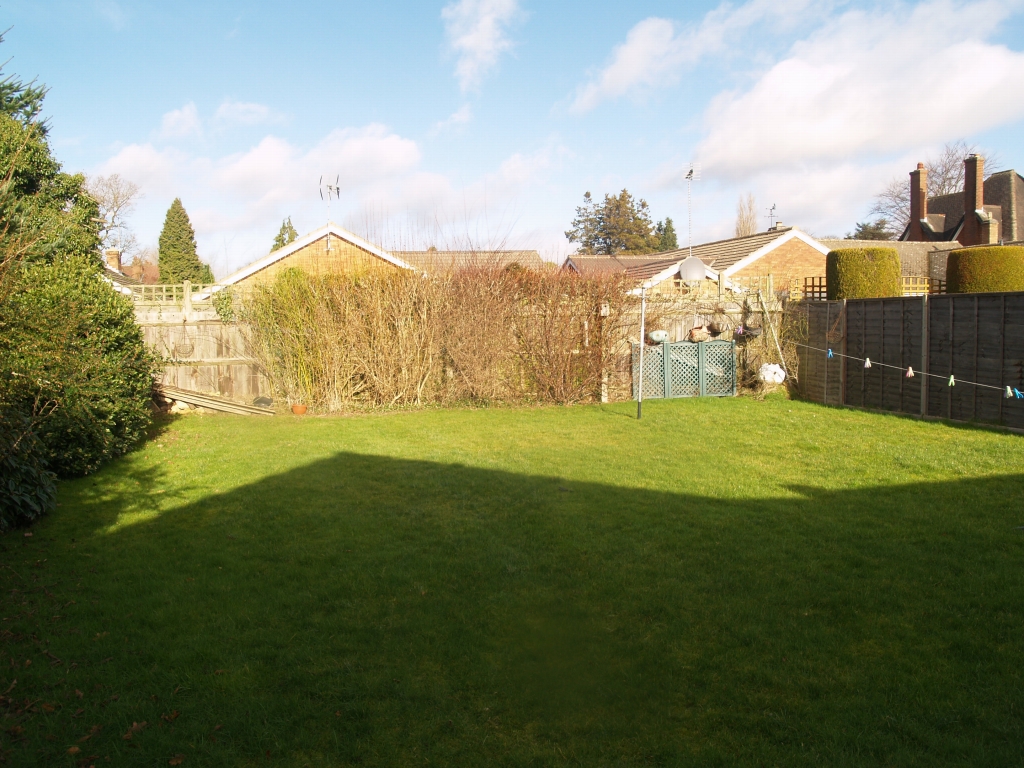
(830, 355)
(952, 382)
(910, 372)
(867, 362)
(1009, 393)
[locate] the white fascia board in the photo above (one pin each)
(117, 286)
(769, 247)
(302, 242)
(668, 272)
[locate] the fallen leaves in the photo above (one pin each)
(219, 672)
(92, 732)
(78, 693)
(176, 760)
(136, 728)
(171, 717)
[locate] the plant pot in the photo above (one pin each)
(298, 410)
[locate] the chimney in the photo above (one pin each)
(113, 259)
(974, 201)
(918, 203)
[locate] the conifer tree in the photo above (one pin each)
(666, 233)
(177, 258)
(286, 235)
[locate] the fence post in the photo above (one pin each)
(924, 355)
(187, 297)
(842, 360)
(701, 368)
(666, 369)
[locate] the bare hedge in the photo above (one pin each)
(480, 335)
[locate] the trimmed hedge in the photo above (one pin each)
(984, 270)
(863, 273)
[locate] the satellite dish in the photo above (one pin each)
(692, 269)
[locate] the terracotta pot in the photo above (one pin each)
(298, 410)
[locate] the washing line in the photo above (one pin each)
(909, 372)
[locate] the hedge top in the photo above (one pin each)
(988, 269)
(863, 273)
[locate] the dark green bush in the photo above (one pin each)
(80, 365)
(27, 487)
(863, 273)
(981, 270)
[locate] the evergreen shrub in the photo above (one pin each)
(983, 270)
(863, 273)
(79, 364)
(27, 488)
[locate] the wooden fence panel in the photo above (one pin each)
(821, 378)
(207, 356)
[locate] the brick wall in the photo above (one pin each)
(793, 260)
(316, 259)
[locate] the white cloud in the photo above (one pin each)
(240, 113)
(181, 123)
(478, 34)
(657, 51)
(869, 83)
(461, 116)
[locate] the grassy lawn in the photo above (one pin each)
(727, 582)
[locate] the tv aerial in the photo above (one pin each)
(771, 217)
(692, 175)
(327, 191)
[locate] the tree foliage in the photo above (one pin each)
(746, 216)
(177, 256)
(75, 375)
(945, 177)
(666, 233)
(21, 101)
(286, 235)
(116, 198)
(619, 225)
(879, 229)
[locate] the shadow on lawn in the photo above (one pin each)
(389, 611)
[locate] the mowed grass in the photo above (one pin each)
(727, 582)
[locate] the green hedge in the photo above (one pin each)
(863, 273)
(77, 363)
(981, 270)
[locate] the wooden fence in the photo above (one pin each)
(816, 288)
(977, 339)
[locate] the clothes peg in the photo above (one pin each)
(867, 362)
(1009, 393)
(830, 355)
(1018, 393)
(910, 372)
(952, 381)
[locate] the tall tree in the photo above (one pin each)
(619, 225)
(20, 100)
(116, 198)
(746, 216)
(177, 256)
(286, 235)
(666, 233)
(945, 176)
(878, 229)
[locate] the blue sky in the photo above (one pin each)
(483, 122)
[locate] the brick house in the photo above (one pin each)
(987, 211)
(333, 249)
(786, 253)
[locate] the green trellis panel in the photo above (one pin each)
(687, 369)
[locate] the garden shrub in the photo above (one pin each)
(80, 366)
(981, 270)
(27, 487)
(863, 273)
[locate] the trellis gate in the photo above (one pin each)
(686, 369)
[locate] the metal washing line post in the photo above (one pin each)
(640, 376)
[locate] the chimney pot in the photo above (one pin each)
(113, 259)
(920, 166)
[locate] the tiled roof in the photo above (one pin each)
(435, 260)
(119, 277)
(722, 254)
(599, 264)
